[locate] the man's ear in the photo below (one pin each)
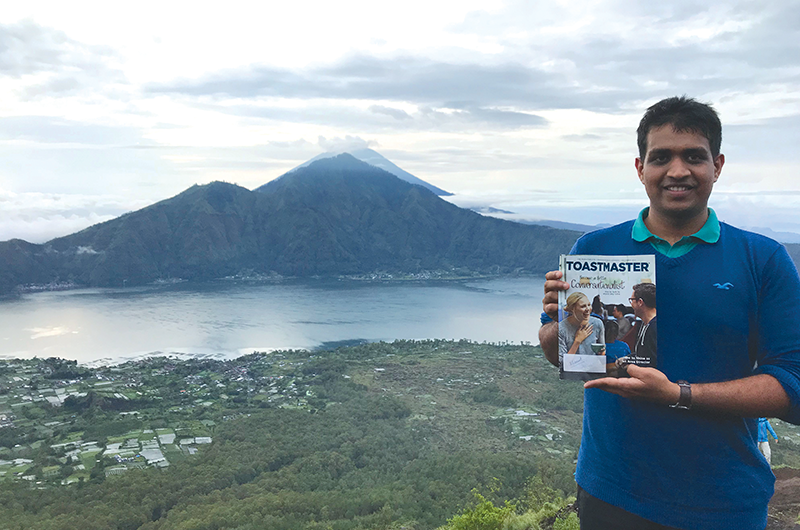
(718, 163)
(640, 168)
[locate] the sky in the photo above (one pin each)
(527, 106)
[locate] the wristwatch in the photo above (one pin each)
(685, 399)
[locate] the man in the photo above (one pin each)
(643, 301)
(622, 322)
(764, 430)
(675, 446)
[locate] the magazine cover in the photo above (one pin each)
(607, 317)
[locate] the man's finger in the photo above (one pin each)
(634, 369)
(555, 286)
(604, 383)
(553, 275)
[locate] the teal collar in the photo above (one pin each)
(709, 233)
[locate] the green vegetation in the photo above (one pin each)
(483, 516)
(412, 434)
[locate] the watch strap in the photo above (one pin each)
(685, 398)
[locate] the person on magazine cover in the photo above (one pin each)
(644, 307)
(615, 349)
(579, 330)
(727, 352)
(623, 323)
(598, 310)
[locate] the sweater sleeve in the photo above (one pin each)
(779, 327)
(771, 431)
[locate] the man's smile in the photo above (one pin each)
(678, 173)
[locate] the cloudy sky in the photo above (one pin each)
(528, 106)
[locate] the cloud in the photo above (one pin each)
(605, 74)
(774, 138)
(28, 48)
(397, 114)
(48, 130)
(410, 79)
(39, 217)
(348, 143)
(613, 59)
(342, 114)
(527, 95)
(592, 137)
(48, 63)
(493, 116)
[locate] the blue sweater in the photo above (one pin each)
(725, 311)
(615, 350)
(764, 430)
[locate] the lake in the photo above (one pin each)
(228, 319)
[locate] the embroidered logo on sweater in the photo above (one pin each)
(726, 286)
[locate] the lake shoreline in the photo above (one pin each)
(377, 277)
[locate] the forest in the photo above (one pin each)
(411, 434)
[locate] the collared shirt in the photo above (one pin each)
(709, 233)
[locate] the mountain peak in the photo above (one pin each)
(372, 158)
(341, 161)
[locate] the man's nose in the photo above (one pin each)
(678, 168)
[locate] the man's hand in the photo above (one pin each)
(552, 286)
(751, 397)
(644, 383)
(548, 333)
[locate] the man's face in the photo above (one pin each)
(637, 305)
(678, 173)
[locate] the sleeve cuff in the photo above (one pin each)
(791, 385)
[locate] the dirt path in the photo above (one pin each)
(784, 507)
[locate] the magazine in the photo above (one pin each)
(604, 291)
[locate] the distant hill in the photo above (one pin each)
(783, 237)
(564, 225)
(372, 158)
(794, 251)
(490, 210)
(337, 216)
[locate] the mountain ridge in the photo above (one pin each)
(335, 217)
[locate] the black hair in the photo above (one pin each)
(612, 330)
(647, 293)
(685, 114)
(597, 305)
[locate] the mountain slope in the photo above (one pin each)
(372, 158)
(197, 234)
(377, 221)
(337, 216)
